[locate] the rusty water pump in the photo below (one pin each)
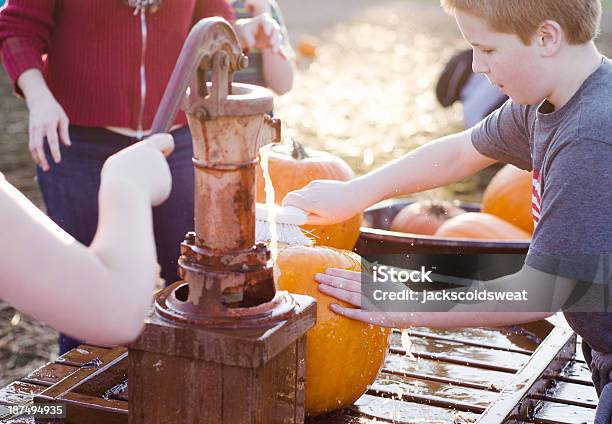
(222, 345)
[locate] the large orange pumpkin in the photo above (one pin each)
(343, 356)
(293, 168)
(476, 225)
(424, 217)
(508, 196)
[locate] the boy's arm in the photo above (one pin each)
(543, 294)
(443, 320)
(540, 294)
(438, 163)
(473, 319)
(100, 293)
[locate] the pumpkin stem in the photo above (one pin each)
(298, 151)
(437, 208)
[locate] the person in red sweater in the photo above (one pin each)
(92, 73)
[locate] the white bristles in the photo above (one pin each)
(288, 219)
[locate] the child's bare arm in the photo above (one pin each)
(278, 71)
(98, 293)
(438, 163)
(543, 292)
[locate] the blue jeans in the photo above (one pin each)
(70, 192)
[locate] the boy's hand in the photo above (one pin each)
(260, 32)
(346, 286)
(342, 284)
(257, 7)
(143, 165)
(326, 201)
(47, 120)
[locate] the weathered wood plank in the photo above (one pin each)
(572, 394)
(443, 392)
(82, 408)
(82, 355)
(18, 393)
(90, 375)
(458, 351)
(422, 399)
(156, 394)
(300, 378)
(550, 357)
(459, 373)
(484, 338)
(406, 412)
(558, 413)
(49, 374)
(464, 360)
(577, 373)
(277, 380)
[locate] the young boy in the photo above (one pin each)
(556, 123)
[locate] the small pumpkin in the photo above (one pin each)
(307, 47)
(477, 225)
(292, 168)
(424, 217)
(508, 196)
(343, 356)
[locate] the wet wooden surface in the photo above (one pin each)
(441, 377)
(476, 375)
(79, 379)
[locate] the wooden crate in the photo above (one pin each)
(479, 375)
(88, 380)
(521, 374)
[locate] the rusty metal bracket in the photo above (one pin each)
(211, 47)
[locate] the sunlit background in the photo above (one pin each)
(367, 96)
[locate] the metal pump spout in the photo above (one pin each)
(221, 345)
(225, 275)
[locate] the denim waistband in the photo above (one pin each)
(99, 143)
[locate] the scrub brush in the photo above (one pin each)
(287, 219)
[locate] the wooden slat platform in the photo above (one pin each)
(477, 375)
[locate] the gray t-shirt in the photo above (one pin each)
(570, 153)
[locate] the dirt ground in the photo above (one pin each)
(367, 96)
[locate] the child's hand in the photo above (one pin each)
(143, 165)
(47, 120)
(257, 7)
(342, 284)
(260, 32)
(326, 201)
(346, 286)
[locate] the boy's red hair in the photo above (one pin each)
(578, 18)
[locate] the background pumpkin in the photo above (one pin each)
(307, 47)
(292, 168)
(476, 225)
(343, 356)
(508, 196)
(424, 217)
